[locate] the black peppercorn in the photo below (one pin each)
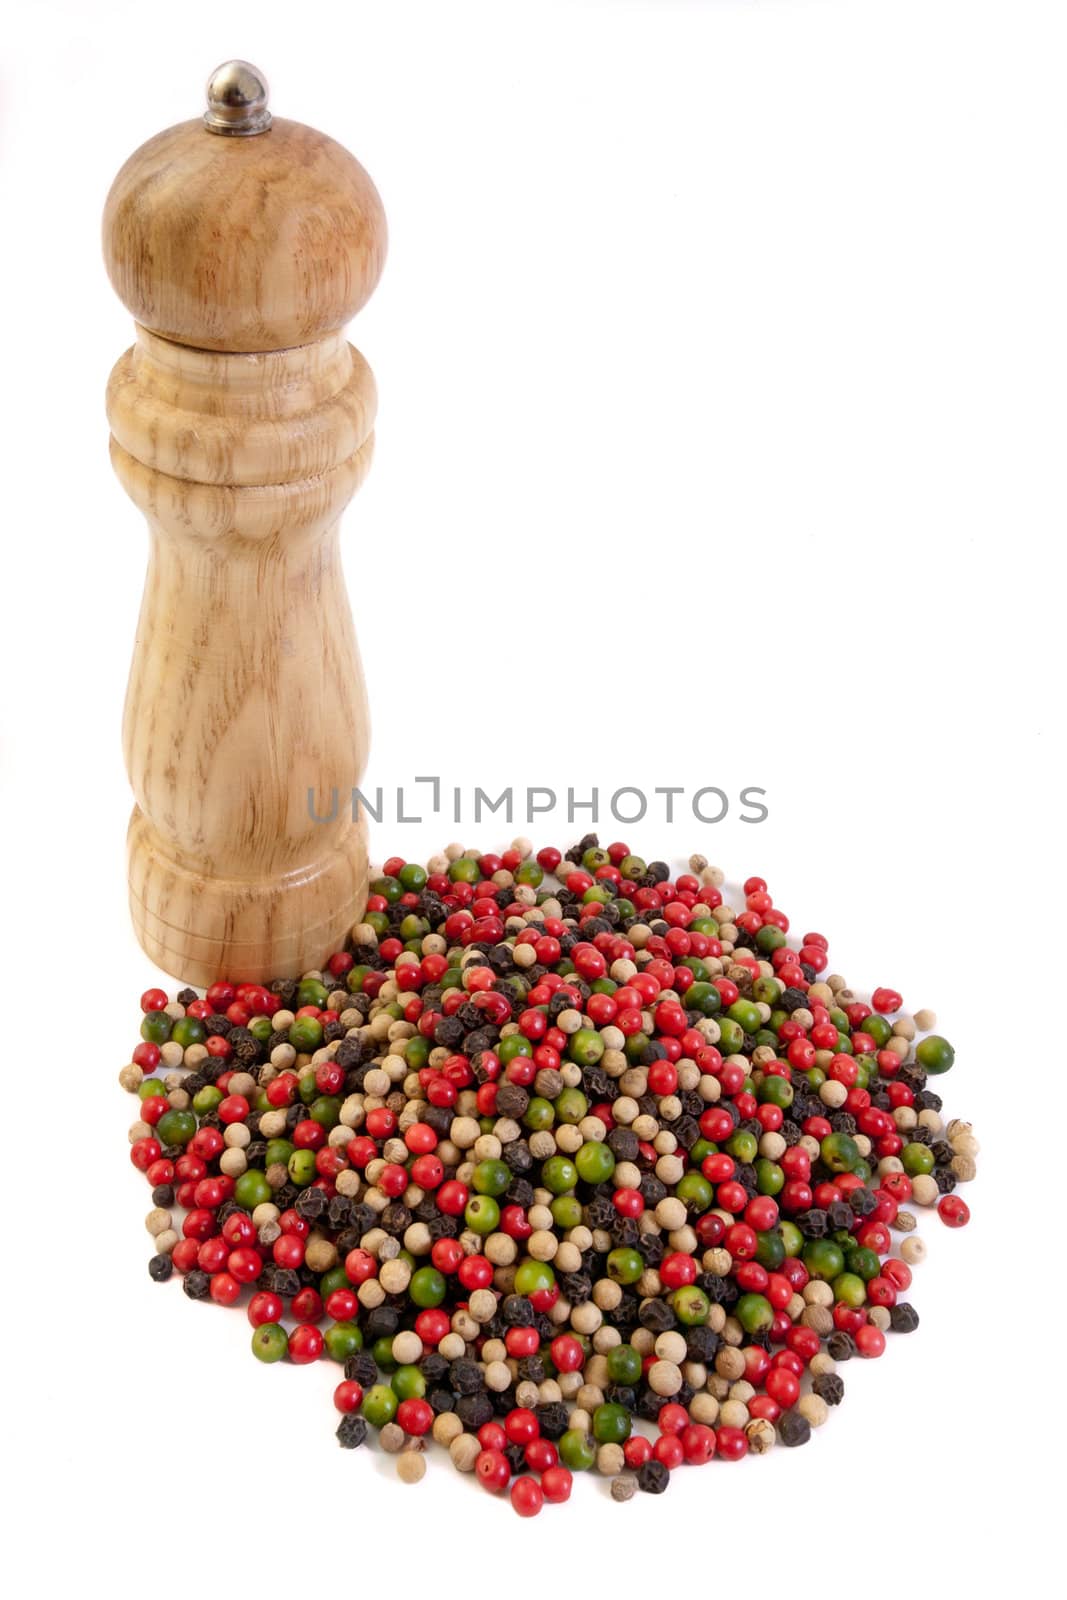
(793, 1429)
(653, 1477)
(362, 1369)
(351, 1431)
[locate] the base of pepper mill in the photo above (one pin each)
(200, 929)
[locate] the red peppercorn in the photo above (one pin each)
(698, 1443)
(415, 1416)
(245, 1264)
(184, 1255)
(672, 1418)
(527, 1496)
(307, 1306)
(265, 1306)
(637, 1450)
(556, 1484)
(521, 1425)
(731, 1443)
(211, 1256)
(566, 1352)
(143, 1152)
(521, 1342)
(475, 1272)
(306, 1344)
(783, 1387)
(953, 1211)
(668, 1450)
(348, 1396)
(886, 1001)
(492, 1470)
(870, 1341)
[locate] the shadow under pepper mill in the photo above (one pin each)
(241, 425)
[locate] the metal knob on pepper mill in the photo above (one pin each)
(241, 425)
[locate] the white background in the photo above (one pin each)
(748, 315)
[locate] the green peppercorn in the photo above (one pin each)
(849, 1287)
(878, 1028)
(379, 1405)
(559, 1174)
(391, 889)
(156, 1026)
(252, 1189)
(566, 1212)
(703, 997)
(625, 1264)
(863, 1262)
(491, 1177)
(187, 1031)
(791, 1237)
(408, 1383)
(915, 1159)
(624, 1364)
(695, 1193)
(533, 1277)
(595, 1162)
(770, 1249)
(539, 1114)
(326, 1111)
(775, 1091)
(342, 1339)
(270, 1342)
(412, 877)
(571, 1106)
(514, 1045)
(305, 1034)
(301, 1167)
(823, 1259)
(743, 1146)
(482, 1214)
(176, 1127)
(690, 1305)
(586, 1047)
(611, 1423)
(770, 1178)
(577, 1450)
(312, 993)
(746, 1014)
(934, 1054)
(731, 1036)
(754, 1312)
(839, 1152)
(427, 1287)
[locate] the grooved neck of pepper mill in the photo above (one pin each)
(237, 100)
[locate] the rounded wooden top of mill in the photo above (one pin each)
(261, 241)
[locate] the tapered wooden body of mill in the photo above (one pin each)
(241, 425)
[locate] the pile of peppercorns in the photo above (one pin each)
(557, 1144)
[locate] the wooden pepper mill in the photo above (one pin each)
(241, 424)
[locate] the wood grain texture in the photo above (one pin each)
(246, 691)
(243, 244)
(241, 424)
